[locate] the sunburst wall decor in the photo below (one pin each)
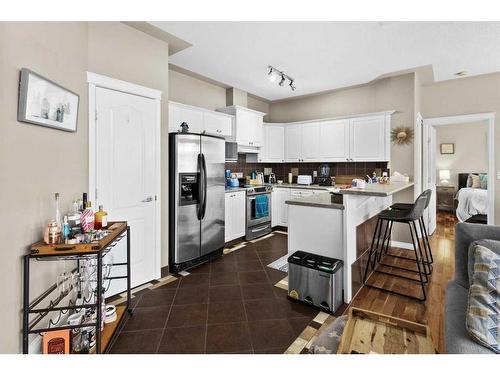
(402, 135)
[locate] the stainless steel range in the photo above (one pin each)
(258, 211)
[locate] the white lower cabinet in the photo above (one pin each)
(279, 209)
(235, 215)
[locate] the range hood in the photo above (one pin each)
(248, 149)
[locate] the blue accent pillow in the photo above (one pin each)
(483, 180)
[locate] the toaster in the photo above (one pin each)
(303, 179)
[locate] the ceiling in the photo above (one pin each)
(323, 56)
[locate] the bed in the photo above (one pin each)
(472, 203)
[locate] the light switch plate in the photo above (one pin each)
(498, 175)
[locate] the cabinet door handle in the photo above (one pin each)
(148, 199)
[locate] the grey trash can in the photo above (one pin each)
(315, 280)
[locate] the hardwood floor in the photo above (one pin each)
(430, 312)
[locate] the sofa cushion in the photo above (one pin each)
(457, 339)
(493, 245)
(483, 312)
(328, 341)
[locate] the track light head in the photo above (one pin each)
(282, 82)
(271, 75)
(292, 86)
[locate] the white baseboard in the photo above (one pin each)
(402, 245)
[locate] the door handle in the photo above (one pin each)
(148, 199)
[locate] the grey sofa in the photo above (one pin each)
(457, 339)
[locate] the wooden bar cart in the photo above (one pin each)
(33, 316)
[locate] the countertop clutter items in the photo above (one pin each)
(81, 225)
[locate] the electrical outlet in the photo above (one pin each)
(315, 173)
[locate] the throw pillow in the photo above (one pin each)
(483, 311)
(469, 181)
(492, 245)
(328, 341)
(483, 180)
(476, 184)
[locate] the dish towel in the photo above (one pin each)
(261, 206)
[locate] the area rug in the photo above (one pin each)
(280, 264)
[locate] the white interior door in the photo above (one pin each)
(127, 173)
(429, 174)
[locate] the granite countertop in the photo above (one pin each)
(378, 190)
(230, 189)
(323, 200)
(310, 187)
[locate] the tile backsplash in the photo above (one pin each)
(282, 169)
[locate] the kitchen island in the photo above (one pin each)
(340, 225)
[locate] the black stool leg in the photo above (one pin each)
(378, 251)
(421, 254)
(427, 240)
(422, 283)
(377, 227)
(427, 261)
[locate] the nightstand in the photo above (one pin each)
(445, 197)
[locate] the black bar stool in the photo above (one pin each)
(409, 217)
(423, 230)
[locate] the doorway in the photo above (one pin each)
(124, 166)
(431, 176)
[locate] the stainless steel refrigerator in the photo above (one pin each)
(196, 199)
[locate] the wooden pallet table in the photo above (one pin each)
(369, 332)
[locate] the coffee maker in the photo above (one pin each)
(324, 178)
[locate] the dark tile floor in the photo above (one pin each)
(227, 306)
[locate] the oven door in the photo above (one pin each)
(258, 209)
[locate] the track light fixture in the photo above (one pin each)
(274, 73)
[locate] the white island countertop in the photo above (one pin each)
(378, 190)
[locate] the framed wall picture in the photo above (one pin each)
(43, 102)
(447, 148)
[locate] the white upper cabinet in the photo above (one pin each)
(218, 123)
(334, 140)
(177, 114)
(293, 142)
(273, 144)
(361, 138)
(248, 125)
(199, 120)
(310, 142)
(369, 138)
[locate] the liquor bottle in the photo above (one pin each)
(101, 219)
(84, 196)
(66, 231)
(58, 211)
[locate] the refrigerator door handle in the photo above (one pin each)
(204, 167)
(201, 188)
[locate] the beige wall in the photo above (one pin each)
(193, 91)
(188, 90)
(471, 149)
(35, 161)
(465, 96)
